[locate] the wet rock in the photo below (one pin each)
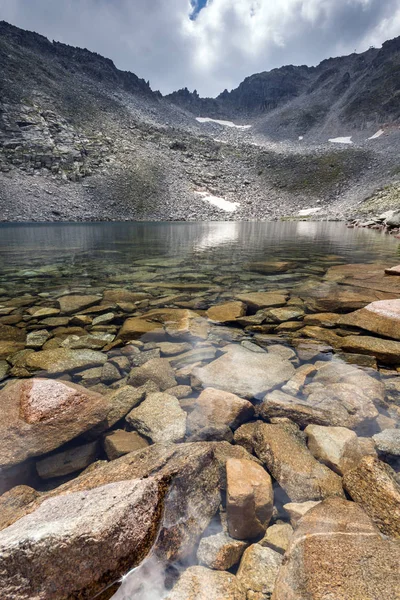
(4, 368)
(62, 360)
(386, 351)
(382, 318)
(289, 461)
(224, 313)
(322, 319)
(171, 349)
(297, 510)
(135, 327)
(258, 570)
(122, 401)
(269, 267)
(277, 537)
(159, 418)
(116, 295)
(388, 442)
(157, 370)
(245, 373)
(288, 313)
(220, 551)
(216, 407)
(9, 348)
(42, 554)
(11, 334)
(373, 485)
(68, 461)
(200, 583)
(41, 312)
(337, 552)
(249, 499)
(180, 391)
(103, 319)
(109, 373)
(336, 447)
(36, 339)
(120, 442)
(42, 414)
(283, 351)
(259, 300)
(279, 404)
(74, 303)
(245, 436)
(329, 296)
(13, 501)
(223, 451)
(91, 342)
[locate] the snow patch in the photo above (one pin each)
(308, 211)
(219, 202)
(301, 137)
(219, 122)
(376, 135)
(341, 140)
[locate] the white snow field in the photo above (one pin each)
(341, 140)
(376, 135)
(226, 123)
(221, 203)
(308, 211)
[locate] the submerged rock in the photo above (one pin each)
(258, 570)
(42, 414)
(62, 360)
(245, 373)
(160, 418)
(216, 407)
(249, 499)
(382, 317)
(336, 552)
(225, 313)
(220, 551)
(289, 461)
(336, 447)
(121, 442)
(73, 304)
(68, 461)
(200, 583)
(157, 370)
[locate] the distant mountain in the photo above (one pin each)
(82, 140)
(356, 91)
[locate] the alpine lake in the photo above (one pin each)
(199, 411)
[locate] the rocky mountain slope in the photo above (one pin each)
(81, 140)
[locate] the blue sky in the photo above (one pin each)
(209, 46)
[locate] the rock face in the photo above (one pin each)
(216, 407)
(43, 555)
(42, 414)
(372, 483)
(245, 373)
(336, 447)
(160, 418)
(249, 499)
(199, 583)
(289, 461)
(220, 551)
(336, 552)
(382, 317)
(258, 570)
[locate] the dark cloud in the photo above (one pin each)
(225, 42)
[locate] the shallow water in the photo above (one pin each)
(193, 266)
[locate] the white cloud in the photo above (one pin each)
(229, 40)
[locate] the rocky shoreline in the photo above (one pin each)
(182, 440)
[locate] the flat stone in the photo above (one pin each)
(36, 339)
(120, 442)
(117, 295)
(372, 483)
(159, 418)
(322, 319)
(245, 373)
(13, 501)
(227, 312)
(157, 370)
(90, 342)
(200, 583)
(118, 522)
(220, 551)
(336, 552)
(287, 313)
(259, 300)
(62, 360)
(249, 499)
(11, 334)
(4, 368)
(279, 404)
(269, 267)
(41, 312)
(216, 407)
(171, 349)
(386, 351)
(9, 348)
(382, 318)
(42, 414)
(330, 296)
(336, 447)
(289, 461)
(75, 303)
(103, 319)
(388, 442)
(393, 270)
(277, 537)
(258, 570)
(68, 461)
(135, 327)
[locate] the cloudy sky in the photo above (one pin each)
(209, 45)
